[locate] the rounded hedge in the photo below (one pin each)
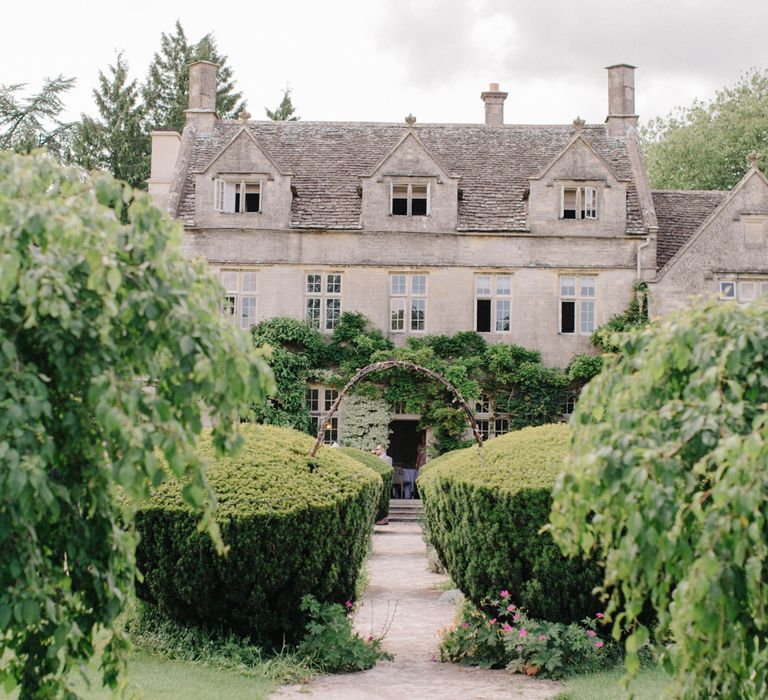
(292, 527)
(386, 473)
(484, 522)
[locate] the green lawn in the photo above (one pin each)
(155, 677)
(650, 684)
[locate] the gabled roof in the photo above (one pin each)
(410, 135)
(246, 133)
(327, 158)
(727, 197)
(680, 213)
(578, 137)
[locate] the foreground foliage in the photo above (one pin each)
(111, 349)
(503, 636)
(666, 482)
(485, 519)
(292, 525)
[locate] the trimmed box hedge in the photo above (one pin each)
(484, 522)
(292, 528)
(386, 473)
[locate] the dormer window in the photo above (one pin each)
(409, 199)
(578, 202)
(237, 196)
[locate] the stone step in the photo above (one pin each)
(405, 518)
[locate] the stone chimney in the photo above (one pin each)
(202, 95)
(494, 105)
(621, 99)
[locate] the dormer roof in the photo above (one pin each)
(245, 133)
(410, 136)
(578, 138)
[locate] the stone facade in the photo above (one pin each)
(528, 234)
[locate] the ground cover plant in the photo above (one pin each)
(485, 517)
(292, 525)
(112, 348)
(666, 483)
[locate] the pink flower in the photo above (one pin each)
(599, 616)
(493, 620)
(522, 632)
(506, 627)
(542, 637)
(504, 593)
(348, 604)
(598, 644)
(516, 617)
(465, 625)
(370, 637)
(591, 633)
(510, 608)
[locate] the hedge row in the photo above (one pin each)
(292, 528)
(484, 522)
(386, 473)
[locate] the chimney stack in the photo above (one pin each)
(621, 99)
(202, 95)
(494, 105)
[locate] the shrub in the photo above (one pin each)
(671, 450)
(382, 469)
(293, 526)
(506, 637)
(485, 523)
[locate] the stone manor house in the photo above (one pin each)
(528, 234)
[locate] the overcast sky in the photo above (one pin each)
(379, 60)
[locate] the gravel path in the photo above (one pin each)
(403, 592)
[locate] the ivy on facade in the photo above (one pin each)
(508, 382)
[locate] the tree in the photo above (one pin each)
(112, 349)
(27, 123)
(666, 483)
(285, 111)
(117, 142)
(166, 91)
(705, 145)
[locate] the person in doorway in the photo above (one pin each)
(381, 452)
(421, 453)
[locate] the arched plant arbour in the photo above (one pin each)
(390, 364)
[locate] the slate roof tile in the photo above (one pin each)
(327, 158)
(680, 213)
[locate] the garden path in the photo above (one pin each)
(402, 591)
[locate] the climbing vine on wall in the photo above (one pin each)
(513, 377)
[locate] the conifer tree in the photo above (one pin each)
(166, 91)
(27, 123)
(285, 111)
(117, 142)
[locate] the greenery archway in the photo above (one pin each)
(402, 364)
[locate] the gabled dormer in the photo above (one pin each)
(242, 187)
(409, 189)
(578, 193)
